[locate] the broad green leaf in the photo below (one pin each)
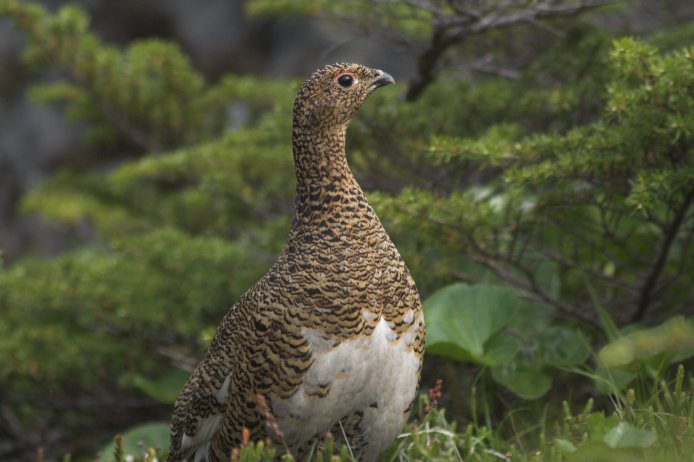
(522, 380)
(137, 440)
(461, 319)
(501, 348)
(599, 424)
(625, 435)
(450, 350)
(563, 347)
(617, 353)
(165, 388)
(565, 446)
(675, 336)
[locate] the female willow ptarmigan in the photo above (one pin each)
(333, 335)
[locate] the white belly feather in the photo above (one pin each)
(377, 375)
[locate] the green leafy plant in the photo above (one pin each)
(492, 326)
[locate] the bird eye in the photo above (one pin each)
(345, 80)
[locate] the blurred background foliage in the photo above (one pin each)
(535, 173)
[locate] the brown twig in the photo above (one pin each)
(434, 396)
(453, 29)
(118, 455)
(270, 419)
(651, 279)
(245, 437)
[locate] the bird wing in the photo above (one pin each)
(200, 408)
(258, 348)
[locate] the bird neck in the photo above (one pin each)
(321, 166)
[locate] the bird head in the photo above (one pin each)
(333, 94)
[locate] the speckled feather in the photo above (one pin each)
(333, 333)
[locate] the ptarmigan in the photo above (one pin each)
(333, 335)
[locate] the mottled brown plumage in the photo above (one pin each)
(333, 333)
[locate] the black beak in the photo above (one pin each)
(382, 80)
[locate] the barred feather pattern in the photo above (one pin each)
(333, 334)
